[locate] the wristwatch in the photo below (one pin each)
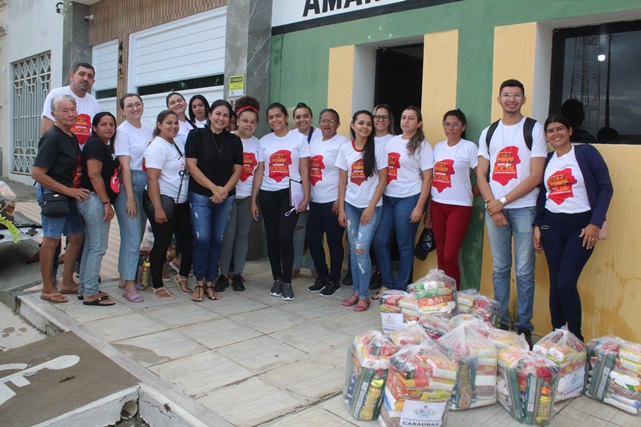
(503, 200)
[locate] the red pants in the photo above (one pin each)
(449, 223)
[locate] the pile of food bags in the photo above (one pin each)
(7, 201)
(413, 334)
(435, 293)
(614, 373)
(435, 324)
(568, 353)
(366, 373)
(477, 360)
(471, 301)
(398, 309)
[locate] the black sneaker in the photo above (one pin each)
(376, 281)
(277, 289)
(504, 327)
(318, 285)
(347, 280)
(287, 291)
(221, 284)
(330, 289)
(237, 283)
(527, 334)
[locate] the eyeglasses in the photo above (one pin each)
(328, 121)
(381, 117)
(516, 95)
(132, 106)
(451, 125)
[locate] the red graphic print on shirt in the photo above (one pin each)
(279, 165)
(393, 163)
(560, 184)
(249, 163)
(82, 128)
(316, 167)
(77, 175)
(443, 171)
(357, 175)
(505, 165)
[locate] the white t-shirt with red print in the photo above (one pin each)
(565, 190)
(323, 173)
(404, 170)
(87, 107)
(183, 131)
(163, 155)
(282, 159)
(132, 142)
(250, 163)
(383, 139)
(360, 189)
(451, 182)
(510, 160)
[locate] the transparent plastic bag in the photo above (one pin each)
(398, 309)
(471, 301)
(413, 334)
(436, 292)
(7, 201)
(435, 324)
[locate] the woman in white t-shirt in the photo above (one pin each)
(198, 111)
(167, 176)
(133, 138)
(176, 103)
(361, 184)
(323, 208)
(383, 123)
(236, 237)
(303, 118)
(450, 208)
(283, 161)
(409, 177)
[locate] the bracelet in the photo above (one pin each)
(104, 203)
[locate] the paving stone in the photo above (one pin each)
(312, 338)
(314, 417)
(267, 320)
(312, 380)
(154, 349)
(219, 333)
(181, 314)
(118, 328)
(262, 353)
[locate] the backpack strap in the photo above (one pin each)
(527, 132)
(490, 132)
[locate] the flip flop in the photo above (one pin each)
(194, 298)
(98, 301)
(216, 296)
(134, 297)
(55, 298)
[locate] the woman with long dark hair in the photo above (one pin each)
(176, 103)
(198, 111)
(362, 180)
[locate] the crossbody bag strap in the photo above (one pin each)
(182, 176)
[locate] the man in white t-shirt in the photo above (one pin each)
(510, 169)
(81, 80)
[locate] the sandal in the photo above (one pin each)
(378, 293)
(183, 284)
(363, 304)
(54, 298)
(103, 300)
(213, 295)
(351, 300)
(136, 297)
(163, 293)
(197, 295)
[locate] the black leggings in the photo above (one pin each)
(279, 228)
(162, 238)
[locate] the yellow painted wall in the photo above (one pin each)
(439, 96)
(340, 86)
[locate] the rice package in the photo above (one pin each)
(413, 334)
(531, 381)
(568, 352)
(477, 359)
(420, 382)
(398, 309)
(436, 292)
(366, 373)
(471, 301)
(435, 324)
(614, 373)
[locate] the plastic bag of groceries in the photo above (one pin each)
(7, 201)
(147, 238)
(568, 352)
(476, 356)
(436, 292)
(398, 309)
(420, 382)
(531, 381)
(435, 324)
(366, 372)
(507, 359)
(412, 334)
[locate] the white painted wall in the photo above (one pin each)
(364, 78)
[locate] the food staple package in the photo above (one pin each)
(366, 373)
(471, 301)
(420, 383)
(531, 380)
(7, 201)
(413, 334)
(507, 359)
(477, 359)
(568, 352)
(398, 310)
(614, 373)
(436, 292)
(435, 324)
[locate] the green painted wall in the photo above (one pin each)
(299, 64)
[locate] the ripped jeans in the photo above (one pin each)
(360, 237)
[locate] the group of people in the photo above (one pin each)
(198, 176)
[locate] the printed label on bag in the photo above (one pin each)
(391, 322)
(422, 414)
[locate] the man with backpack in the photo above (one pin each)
(512, 153)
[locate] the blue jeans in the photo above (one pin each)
(96, 240)
(360, 237)
(396, 216)
(54, 228)
(520, 227)
(131, 228)
(208, 222)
